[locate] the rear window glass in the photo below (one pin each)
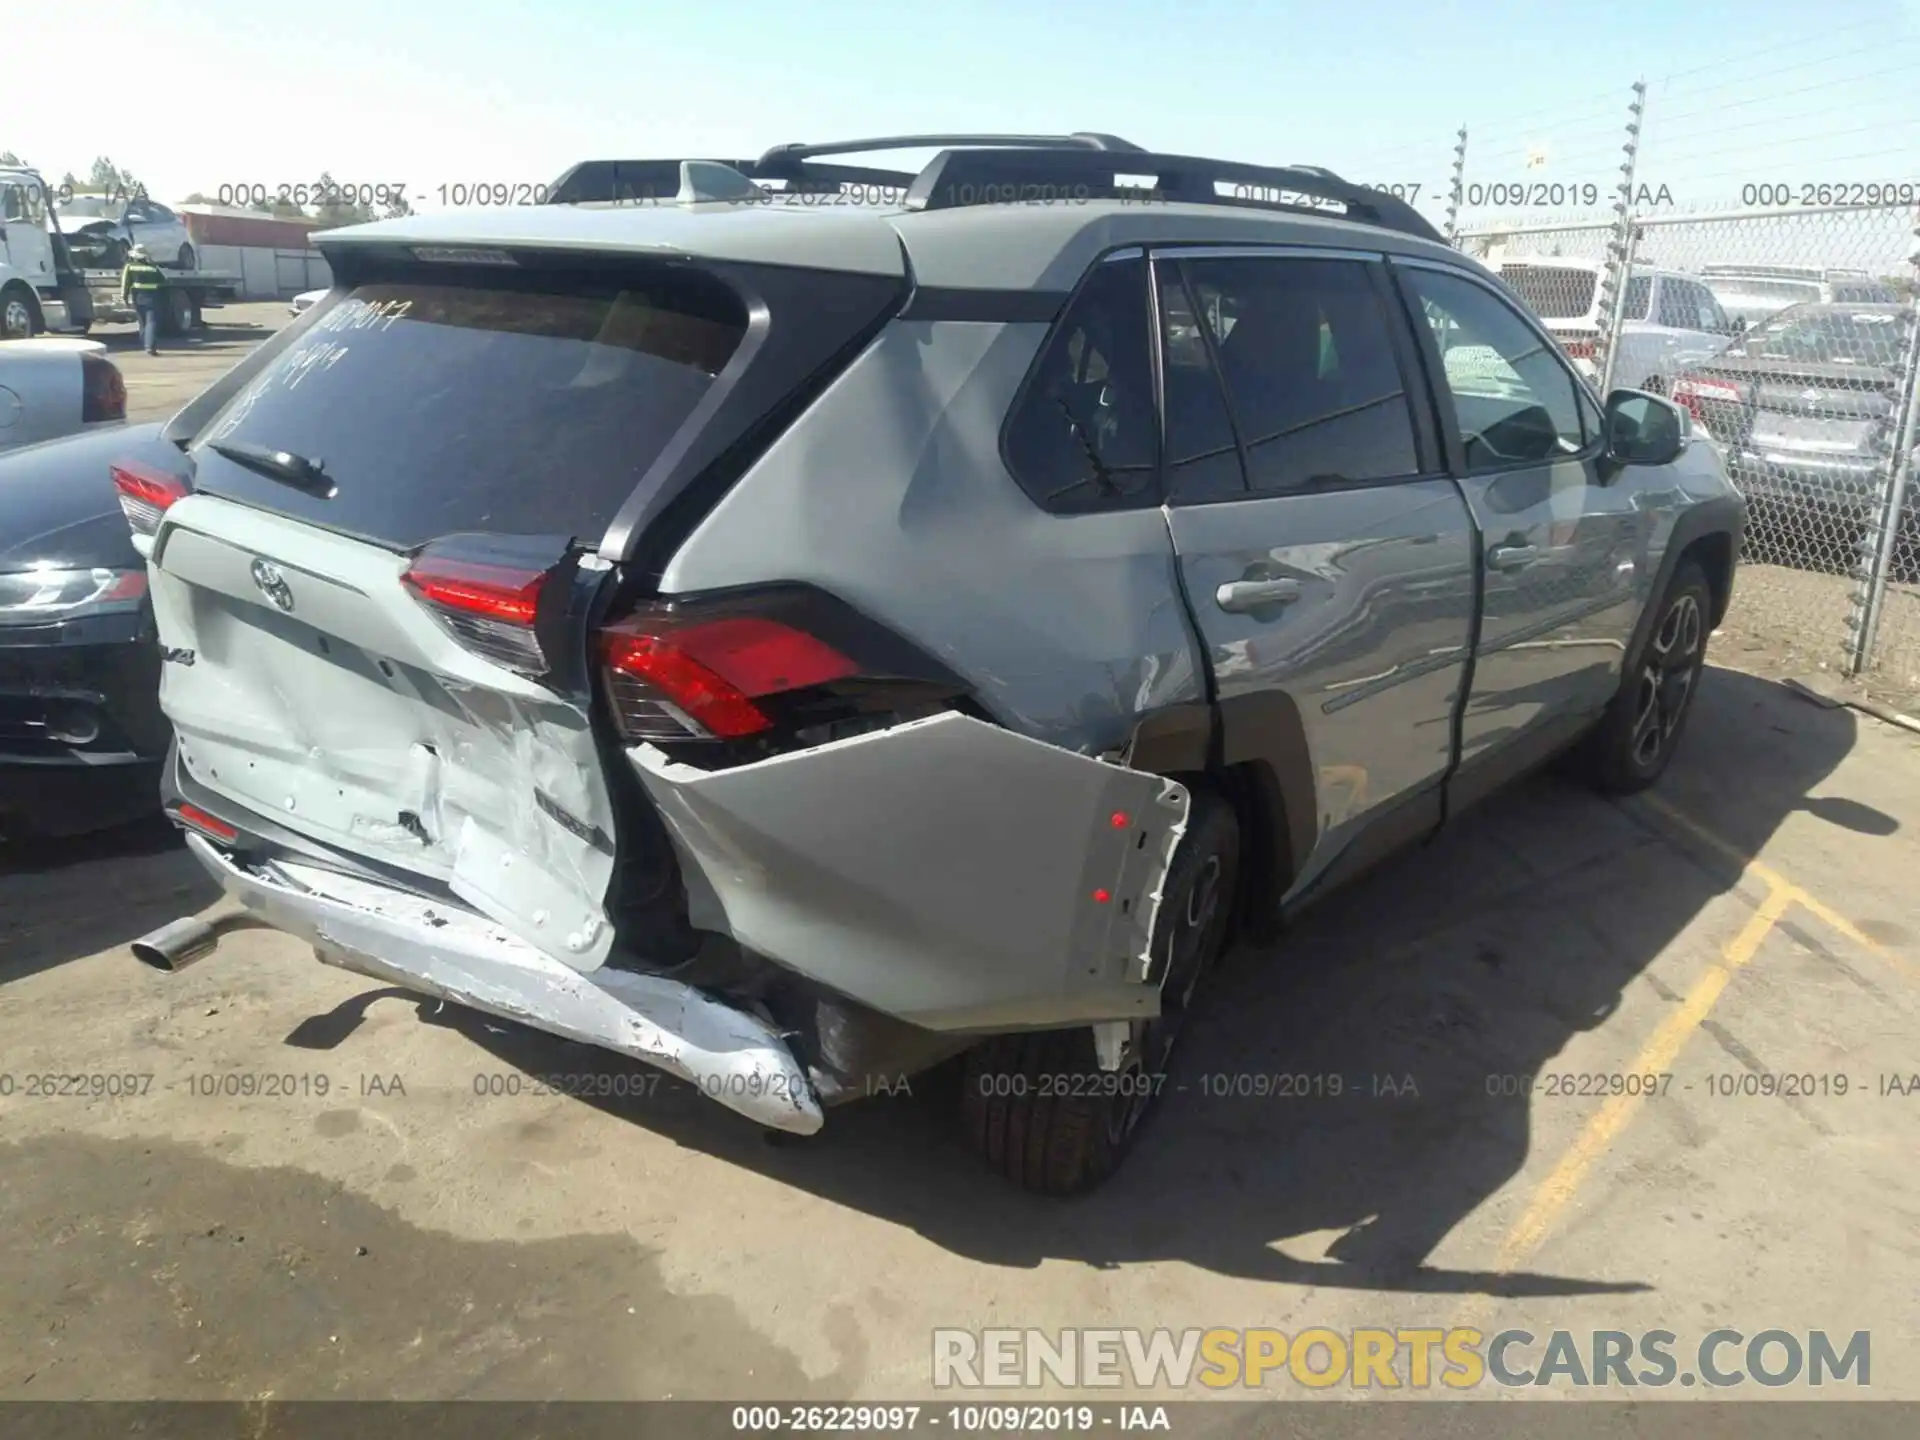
(1553, 292)
(530, 406)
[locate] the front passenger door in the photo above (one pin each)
(1326, 558)
(1564, 551)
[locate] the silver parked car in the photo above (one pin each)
(101, 229)
(796, 623)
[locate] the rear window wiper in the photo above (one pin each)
(282, 465)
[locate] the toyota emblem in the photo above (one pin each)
(272, 583)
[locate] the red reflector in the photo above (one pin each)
(195, 818)
(499, 592)
(1118, 820)
(1101, 897)
(1579, 349)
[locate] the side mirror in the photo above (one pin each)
(1644, 429)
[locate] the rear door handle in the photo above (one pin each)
(1512, 557)
(1239, 596)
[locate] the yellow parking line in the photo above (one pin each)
(1774, 880)
(1556, 1192)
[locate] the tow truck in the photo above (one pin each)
(41, 289)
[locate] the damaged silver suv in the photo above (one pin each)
(799, 623)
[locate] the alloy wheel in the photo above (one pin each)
(1667, 679)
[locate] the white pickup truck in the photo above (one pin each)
(52, 387)
(41, 289)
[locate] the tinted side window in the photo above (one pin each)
(1203, 458)
(1674, 309)
(1639, 292)
(1084, 434)
(1310, 370)
(1512, 398)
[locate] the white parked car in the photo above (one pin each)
(1671, 320)
(55, 386)
(101, 229)
(305, 301)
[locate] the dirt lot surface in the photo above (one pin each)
(320, 1187)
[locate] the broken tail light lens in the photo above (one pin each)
(145, 493)
(671, 680)
(103, 390)
(490, 609)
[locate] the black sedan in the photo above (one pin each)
(1807, 408)
(81, 732)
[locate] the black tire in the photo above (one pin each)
(1037, 1106)
(1631, 746)
(177, 318)
(185, 258)
(1654, 385)
(19, 313)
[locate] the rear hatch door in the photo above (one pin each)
(356, 623)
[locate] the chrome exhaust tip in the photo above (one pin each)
(177, 945)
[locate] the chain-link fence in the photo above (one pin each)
(1791, 332)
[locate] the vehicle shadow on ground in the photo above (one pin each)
(1397, 1007)
(61, 899)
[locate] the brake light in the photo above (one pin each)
(103, 391)
(214, 828)
(678, 680)
(1580, 347)
(1691, 392)
(488, 608)
(145, 493)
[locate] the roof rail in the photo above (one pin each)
(991, 169)
(1079, 140)
(986, 177)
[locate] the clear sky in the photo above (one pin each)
(191, 94)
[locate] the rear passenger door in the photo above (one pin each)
(1327, 559)
(1565, 547)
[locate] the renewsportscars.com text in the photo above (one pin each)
(1381, 1359)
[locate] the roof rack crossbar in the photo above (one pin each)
(959, 177)
(1079, 140)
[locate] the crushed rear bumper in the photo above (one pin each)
(447, 951)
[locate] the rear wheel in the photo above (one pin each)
(1654, 385)
(177, 317)
(1038, 1106)
(1636, 738)
(19, 313)
(185, 258)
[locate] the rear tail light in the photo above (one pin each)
(103, 392)
(488, 608)
(1694, 393)
(145, 493)
(1580, 347)
(674, 679)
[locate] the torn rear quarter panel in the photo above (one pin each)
(945, 871)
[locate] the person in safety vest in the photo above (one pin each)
(141, 282)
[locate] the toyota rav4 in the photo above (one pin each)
(795, 622)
